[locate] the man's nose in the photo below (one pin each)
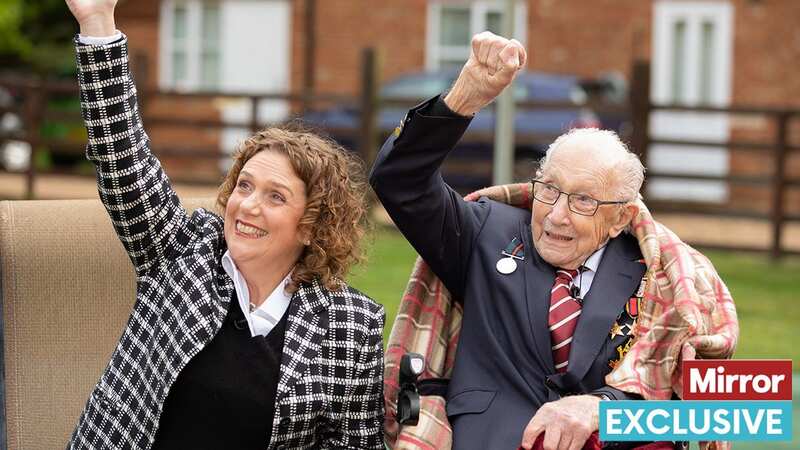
(560, 213)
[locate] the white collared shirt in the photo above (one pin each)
(100, 40)
(586, 276)
(264, 318)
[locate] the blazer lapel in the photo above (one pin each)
(305, 328)
(539, 277)
(616, 280)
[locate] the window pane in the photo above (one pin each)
(209, 69)
(453, 56)
(179, 22)
(494, 22)
(210, 28)
(179, 67)
(706, 61)
(454, 26)
(678, 61)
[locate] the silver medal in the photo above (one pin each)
(506, 266)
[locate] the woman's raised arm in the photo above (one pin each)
(145, 211)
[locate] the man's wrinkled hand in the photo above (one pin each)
(492, 65)
(566, 423)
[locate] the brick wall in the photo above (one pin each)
(396, 28)
(587, 38)
(766, 51)
(765, 54)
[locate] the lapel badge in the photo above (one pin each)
(632, 307)
(642, 285)
(616, 330)
(511, 254)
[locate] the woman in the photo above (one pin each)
(243, 334)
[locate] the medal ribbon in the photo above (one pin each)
(514, 249)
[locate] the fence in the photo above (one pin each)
(34, 110)
(779, 181)
(778, 150)
(365, 137)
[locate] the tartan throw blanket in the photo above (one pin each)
(687, 313)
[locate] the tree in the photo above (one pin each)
(36, 36)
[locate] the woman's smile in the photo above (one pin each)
(249, 230)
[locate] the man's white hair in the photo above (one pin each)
(628, 169)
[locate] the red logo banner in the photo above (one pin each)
(739, 379)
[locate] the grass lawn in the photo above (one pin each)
(767, 302)
(385, 273)
(766, 295)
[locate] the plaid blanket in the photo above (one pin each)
(687, 313)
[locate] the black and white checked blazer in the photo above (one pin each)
(331, 376)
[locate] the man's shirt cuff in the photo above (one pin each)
(439, 108)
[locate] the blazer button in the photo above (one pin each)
(285, 422)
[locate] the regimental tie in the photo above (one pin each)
(563, 317)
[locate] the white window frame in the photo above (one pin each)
(435, 52)
(694, 14)
(193, 81)
(688, 125)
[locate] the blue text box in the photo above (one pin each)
(695, 420)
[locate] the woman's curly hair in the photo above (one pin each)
(335, 214)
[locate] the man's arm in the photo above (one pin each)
(406, 177)
(611, 393)
(437, 222)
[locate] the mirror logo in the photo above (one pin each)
(723, 400)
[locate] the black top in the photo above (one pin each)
(225, 396)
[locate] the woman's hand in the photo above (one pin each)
(96, 17)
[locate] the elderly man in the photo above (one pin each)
(550, 297)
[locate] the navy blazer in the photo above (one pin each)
(504, 367)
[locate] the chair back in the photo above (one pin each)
(67, 288)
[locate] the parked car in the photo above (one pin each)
(469, 167)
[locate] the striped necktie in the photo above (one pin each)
(563, 317)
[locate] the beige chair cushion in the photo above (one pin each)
(67, 291)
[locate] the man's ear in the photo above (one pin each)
(623, 219)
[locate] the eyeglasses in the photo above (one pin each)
(578, 203)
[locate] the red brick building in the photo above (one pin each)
(718, 52)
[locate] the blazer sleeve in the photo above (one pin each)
(144, 209)
(615, 394)
(363, 413)
(407, 179)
